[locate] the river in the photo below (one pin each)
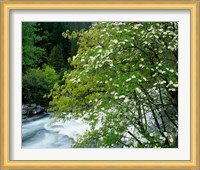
(40, 132)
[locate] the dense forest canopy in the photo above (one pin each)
(119, 77)
(45, 53)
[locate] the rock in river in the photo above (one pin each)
(28, 110)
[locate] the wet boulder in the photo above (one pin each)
(38, 110)
(29, 110)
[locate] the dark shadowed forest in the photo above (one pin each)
(45, 54)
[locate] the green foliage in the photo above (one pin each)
(56, 58)
(124, 84)
(76, 26)
(32, 55)
(38, 82)
(51, 33)
(43, 43)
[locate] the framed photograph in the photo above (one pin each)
(95, 84)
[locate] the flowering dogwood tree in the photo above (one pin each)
(124, 84)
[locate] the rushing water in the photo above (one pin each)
(42, 132)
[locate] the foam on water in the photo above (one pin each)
(48, 133)
(71, 128)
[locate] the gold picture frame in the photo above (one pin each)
(7, 6)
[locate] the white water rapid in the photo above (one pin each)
(42, 132)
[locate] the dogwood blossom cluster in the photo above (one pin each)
(124, 84)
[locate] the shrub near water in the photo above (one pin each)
(38, 82)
